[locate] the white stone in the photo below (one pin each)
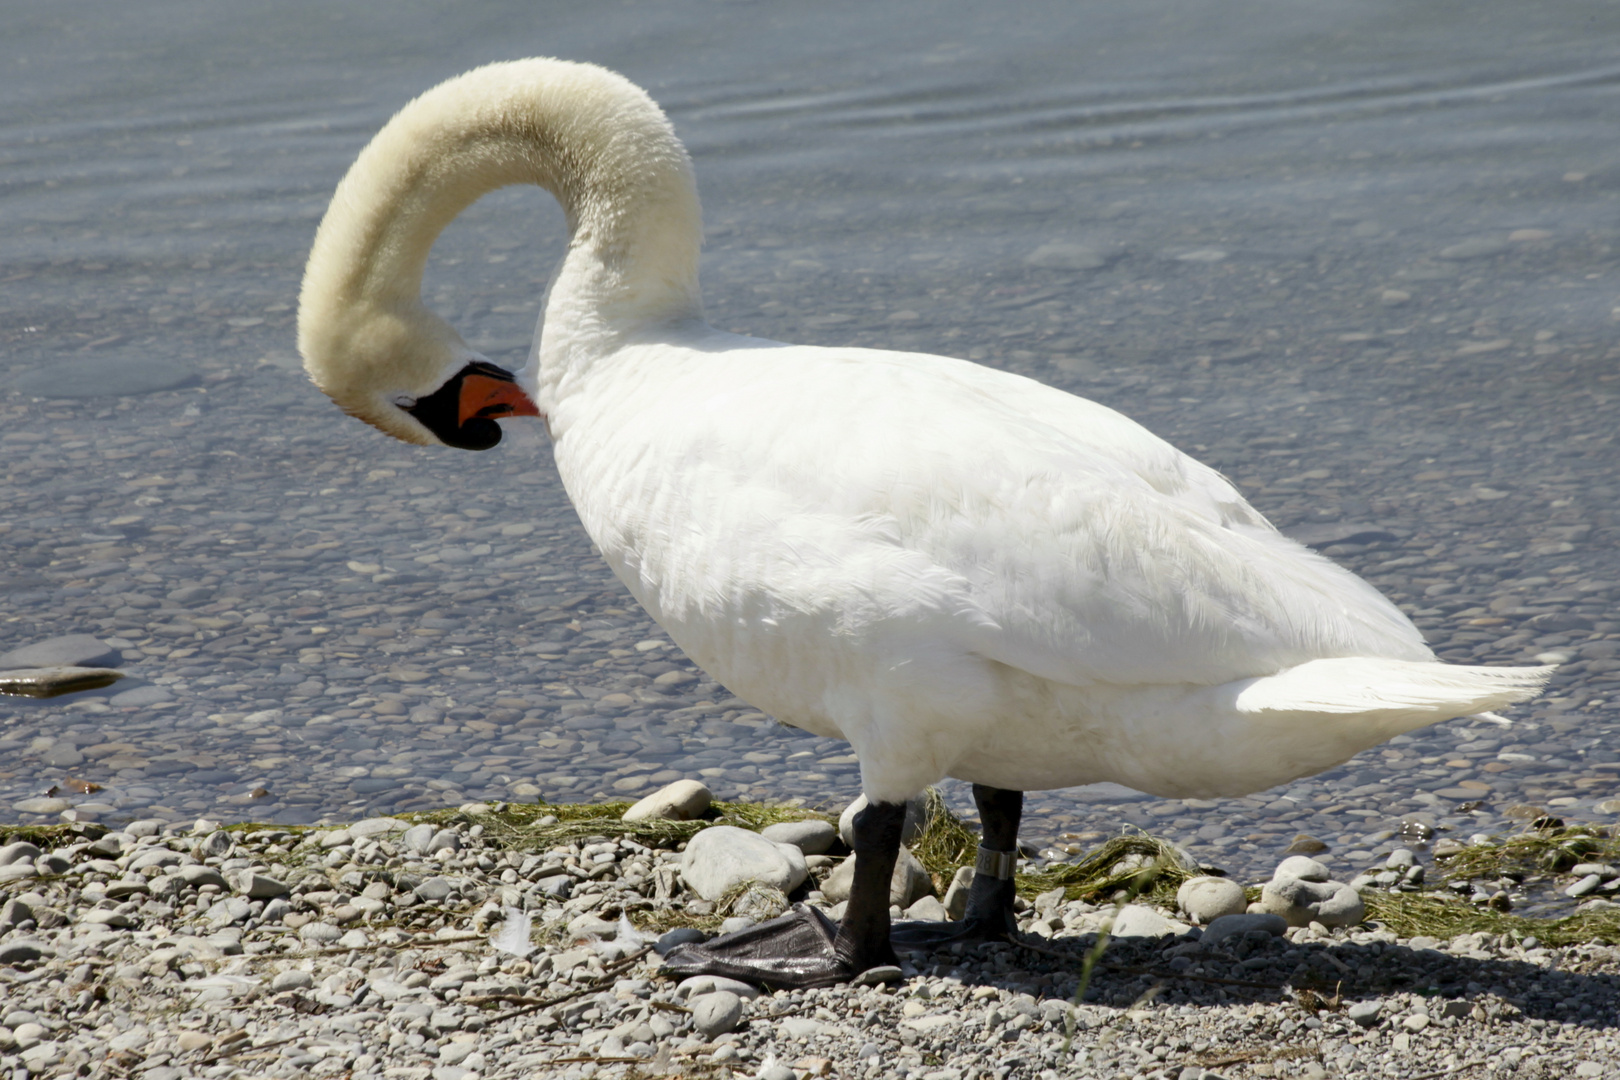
(1205, 899)
(684, 800)
(724, 856)
(1302, 902)
(1139, 920)
(376, 826)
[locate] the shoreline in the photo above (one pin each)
(367, 951)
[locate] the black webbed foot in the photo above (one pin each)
(795, 951)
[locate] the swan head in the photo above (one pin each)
(408, 374)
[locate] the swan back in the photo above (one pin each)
(592, 138)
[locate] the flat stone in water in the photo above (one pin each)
(69, 650)
(104, 376)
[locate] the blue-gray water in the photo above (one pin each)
(1358, 256)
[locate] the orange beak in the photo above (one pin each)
(483, 396)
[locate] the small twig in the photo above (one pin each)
(1153, 972)
(1448, 1072)
(609, 974)
(1281, 1053)
(249, 1049)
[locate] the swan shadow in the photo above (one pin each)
(1322, 977)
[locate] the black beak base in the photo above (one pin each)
(440, 411)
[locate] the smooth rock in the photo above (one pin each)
(20, 951)
(434, 890)
(104, 376)
(1067, 255)
(810, 837)
(916, 820)
(1205, 899)
(1301, 902)
(18, 851)
(416, 838)
(197, 875)
(318, 933)
(1229, 925)
(377, 826)
(684, 800)
(719, 858)
(257, 886)
(69, 650)
(1364, 1013)
(43, 805)
(1139, 920)
(292, 980)
(14, 912)
(716, 1012)
(1477, 248)
(908, 884)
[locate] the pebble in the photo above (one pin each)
(716, 1012)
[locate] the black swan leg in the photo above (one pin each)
(802, 949)
(989, 915)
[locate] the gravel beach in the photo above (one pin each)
(1366, 267)
(388, 950)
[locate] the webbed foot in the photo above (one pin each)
(795, 951)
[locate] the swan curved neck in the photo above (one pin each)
(593, 139)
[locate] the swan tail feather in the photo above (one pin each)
(1395, 695)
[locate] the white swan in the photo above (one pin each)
(961, 571)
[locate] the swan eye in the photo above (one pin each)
(404, 401)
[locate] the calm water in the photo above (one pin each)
(1359, 257)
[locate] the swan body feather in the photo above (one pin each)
(962, 571)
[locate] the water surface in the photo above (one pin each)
(1359, 257)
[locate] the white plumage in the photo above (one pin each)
(961, 571)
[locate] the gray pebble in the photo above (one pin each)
(1364, 1013)
(20, 951)
(716, 1012)
(292, 979)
